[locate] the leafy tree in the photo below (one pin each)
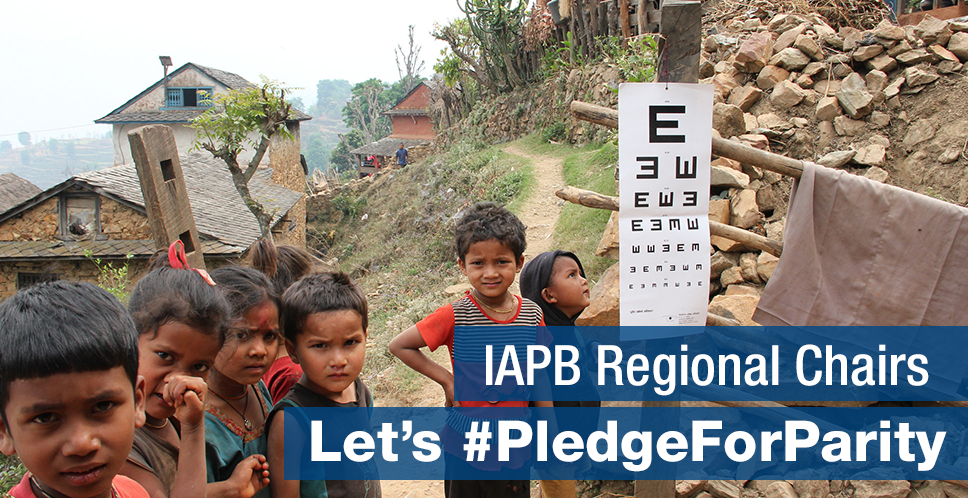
(25, 158)
(297, 103)
(317, 151)
(223, 131)
(411, 65)
(69, 149)
(53, 144)
(363, 110)
(331, 96)
(24, 138)
(340, 158)
(5, 146)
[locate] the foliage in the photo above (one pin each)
(5, 146)
(349, 205)
(297, 103)
(317, 151)
(112, 277)
(411, 66)
(24, 138)
(637, 63)
(555, 133)
(506, 187)
(591, 168)
(25, 157)
(224, 130)
(331, 97)
(340, 157)
(11, 471)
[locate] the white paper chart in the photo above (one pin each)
(665, 143)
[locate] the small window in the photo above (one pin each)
(189, 97)
(80, 217)
(25, 280)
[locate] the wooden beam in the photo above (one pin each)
(595, 200)
(721, 147)
(623, 19)
(681, 43)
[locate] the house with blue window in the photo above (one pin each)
(176, 100)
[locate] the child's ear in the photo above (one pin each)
(548, 296)
(520, 264)
(6, 441)
(291, 349)
(139, 402)
(460, 264)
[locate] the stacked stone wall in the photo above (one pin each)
(119, 222)
(38, 223)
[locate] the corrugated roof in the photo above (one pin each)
(387, 146)
(218, 208)
(14, 190)
(107, 249)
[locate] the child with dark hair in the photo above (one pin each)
(236, 412)
(284, 265)
(556, 281)
(325, 322)
(180, 318)
(490, 243)
(70, 396)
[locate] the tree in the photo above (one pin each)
(5, 146)
(409, 69)
(25, 158)
(224, 129)
(53, 144)
(24, 138)
(316, 151)
(340, 158)
(331, 96)
(363, 110)
(69, 149)
(297, 103)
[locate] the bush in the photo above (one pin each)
(349, 205)
(555, 133)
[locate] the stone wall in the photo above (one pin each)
(119, 222)
(287, 171)
(82, 270)
(293, 236)
(37, 223)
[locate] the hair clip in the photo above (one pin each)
(179, 261)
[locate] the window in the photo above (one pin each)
(25, 280)
(80, 216)
(189, 97)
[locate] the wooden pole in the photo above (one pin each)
(623, 19)
(593, 14)
(681, 43)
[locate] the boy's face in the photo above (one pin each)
(490, 266)
(331, 349)
(567, 290)
(73, 431)
(175, 349)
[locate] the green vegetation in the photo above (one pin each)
(112, 277)
(591, 168)
(11, 471)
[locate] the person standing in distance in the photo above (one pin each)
(402, 155)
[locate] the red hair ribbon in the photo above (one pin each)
(178, 260)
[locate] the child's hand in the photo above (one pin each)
(250, 476)
(187, 395)
(449, 400)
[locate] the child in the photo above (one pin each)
(70, 394)
(235, 414)
(284, 265)
(490, 244)
(325, 320)
(556, 281)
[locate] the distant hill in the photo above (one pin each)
(53, 161)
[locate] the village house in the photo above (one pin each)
(14, 190)
(411, 126)
(101, 214)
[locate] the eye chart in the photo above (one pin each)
(665, 143)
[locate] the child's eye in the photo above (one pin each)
(164, 356)
(320, 345)
(103, 406)
(352, 342)
(270, 337)
(44, 418)
(240, 336)
(201, 368)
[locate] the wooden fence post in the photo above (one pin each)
(163, 187)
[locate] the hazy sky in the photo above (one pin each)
(67, 63)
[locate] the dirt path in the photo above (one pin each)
(539, 213)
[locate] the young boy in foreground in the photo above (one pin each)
(70, 395)
(324, 318)
(490, 244)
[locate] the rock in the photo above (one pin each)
(882, 62)
(743, 211)
(770, 122)
(775, 230)
(915, 57)
(728, 120)
(724, 85)
(743, 290)
(848, 127)
(958, 27)
(929, 489)
(876, 174)
(727, 177)
(714, 43)
(724, 489)
(780, 489)
(800, 122)
(851, 36)
(856, 103)
(706, 69)
(788, 37)
(958, 45)
(954, 491)
(730, 276)
(888, 31)
(809, 46)
(827, 87)
(770, 76)
(899, 48)
(879, 119)
(726, 162)
(747, 266)
(689, 489)
(940, 53)
(754, 53)
(804, 81)
(720, 262)
(827, 109)
(853, 81)
(752, 24)
(837, 159)
(791, 59)
(920, 131)
(881, 489)
(765, 264)
(880, 140)
(750, 122)
(950, 155)
(744, 97)
(932, 30)
(894, 88)
(786, 94)
(740, 308)
(814, 68)
(948, 67)
(608, 247)
(719, 210)
(604, 308)
(758, 141)
(871, 155)
(876, 81)
(868, 52)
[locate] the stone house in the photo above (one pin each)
(101, 214)
(411, 126)
(14, 190)
(180, 97)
